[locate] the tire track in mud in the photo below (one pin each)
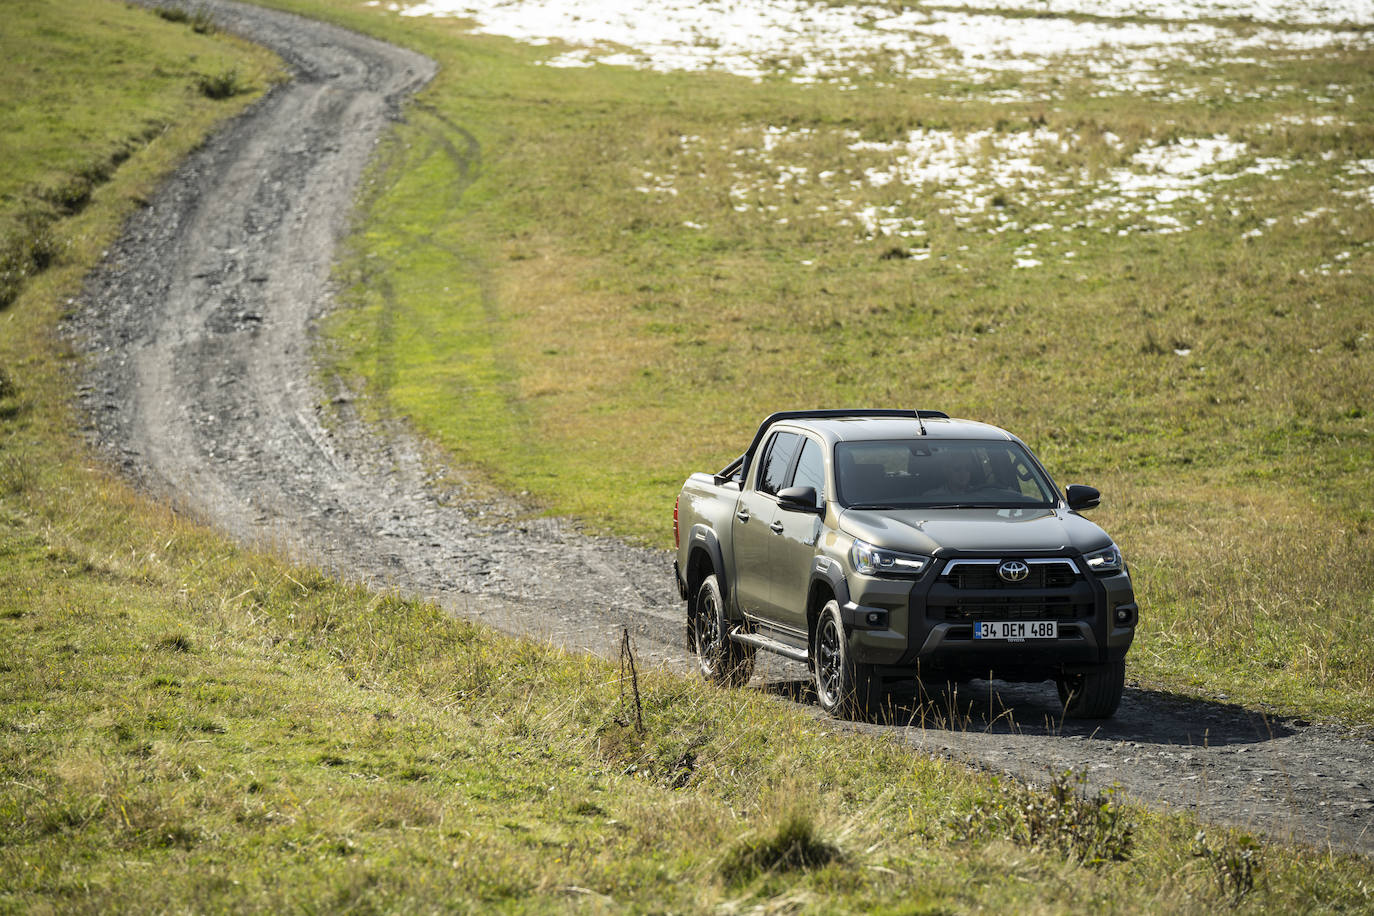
(198, 326)
(382, 177)
(436, 138)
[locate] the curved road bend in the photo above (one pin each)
(199, 322)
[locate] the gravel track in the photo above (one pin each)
(198, 325)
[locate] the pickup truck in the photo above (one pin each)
(884, 545)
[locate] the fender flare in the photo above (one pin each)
(854, 616)
(830, 572)
(703, 538)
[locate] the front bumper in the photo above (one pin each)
(903, 627)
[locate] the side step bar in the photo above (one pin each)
(770, 645)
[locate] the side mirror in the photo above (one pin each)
(1080, 497)
(799, 499)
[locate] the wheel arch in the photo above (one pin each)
(827, 582)
(705, 558)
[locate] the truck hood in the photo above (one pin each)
(938, 531)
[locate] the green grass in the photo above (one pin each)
(188, 725)
(79, 97)
(517, 298)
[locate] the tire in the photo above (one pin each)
(720, 659)
(1095, 694)
(844, 688)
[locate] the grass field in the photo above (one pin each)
(186, 725)
(191, 727)
(81, 98)
(589, 282)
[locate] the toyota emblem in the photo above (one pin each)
(1013, 571)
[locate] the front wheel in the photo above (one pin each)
(720, 659)
(1095, 694)
(843, 687)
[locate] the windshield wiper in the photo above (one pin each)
(870, 506)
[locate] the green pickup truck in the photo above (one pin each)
(879, 545)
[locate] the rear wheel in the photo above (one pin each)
(720, 659)
(1094, 694)
(843, 687)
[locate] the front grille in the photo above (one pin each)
(1054, 607)
(969, 589)
(984, 576)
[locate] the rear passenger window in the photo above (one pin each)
(782, 448)
(811, 470)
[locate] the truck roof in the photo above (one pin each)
(848, 429)
(853, 425)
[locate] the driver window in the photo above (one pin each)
(811, 470)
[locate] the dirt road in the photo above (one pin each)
(199, 324)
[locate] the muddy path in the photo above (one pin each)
(198, 327)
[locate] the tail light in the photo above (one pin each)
(677, 540)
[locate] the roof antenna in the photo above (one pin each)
(921, 423)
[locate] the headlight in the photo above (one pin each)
(879, 561)
(1104, 561)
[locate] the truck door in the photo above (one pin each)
(755, 512)
(794, 546)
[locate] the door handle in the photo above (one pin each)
(742, 515)
(776, 527)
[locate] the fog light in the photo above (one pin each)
(1125, 614)
(877, 618)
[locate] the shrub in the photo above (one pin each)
(1234, 862)
(795, 844)
(1090, 829)
(223, 85)
(200, 21)
(70, 195)
(26, 251)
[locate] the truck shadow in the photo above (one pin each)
(1001, 708)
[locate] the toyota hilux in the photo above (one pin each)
(885, 545)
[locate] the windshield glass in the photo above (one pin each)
(922, 474)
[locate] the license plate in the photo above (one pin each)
(1016, 630)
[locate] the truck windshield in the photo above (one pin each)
(921, 474)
